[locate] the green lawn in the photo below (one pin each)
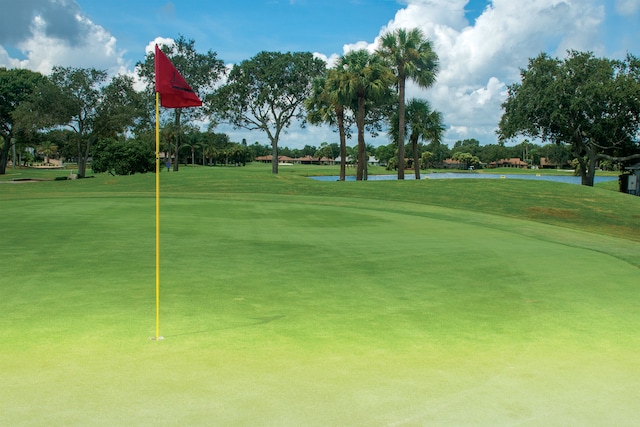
(287, 301)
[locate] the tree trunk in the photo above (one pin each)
(591, 171)
(83, 156)
(4, 154)
(362, 149)
(343, 144)
(274, 157)
(416, 160)
(401, 118)
(13, 156)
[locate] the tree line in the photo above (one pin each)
(582, 107)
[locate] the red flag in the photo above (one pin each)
(174, 91)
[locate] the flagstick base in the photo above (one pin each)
(156, 339)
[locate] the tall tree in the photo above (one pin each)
(80, 100)
(201, 70)
(121, 109)
(364, 78)
(267, 93)
(411, 56)
(424, 124)
(16, 87)
(591, 104)
(327, 104)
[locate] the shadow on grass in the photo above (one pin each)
(257, 321)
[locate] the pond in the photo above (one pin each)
(453, 175)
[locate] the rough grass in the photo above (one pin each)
(287, 301)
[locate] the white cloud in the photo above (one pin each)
(7, 61)
(160, 41)
(478, 60)
(96, 48)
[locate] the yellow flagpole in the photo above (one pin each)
(158, 169)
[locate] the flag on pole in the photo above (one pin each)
(174, 91)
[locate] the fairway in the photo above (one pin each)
(307, 309)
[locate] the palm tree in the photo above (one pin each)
(47, 148)
(326, 105)
(363, 77)
(425, 124)
(410, 55)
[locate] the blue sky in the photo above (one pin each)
(482, 44)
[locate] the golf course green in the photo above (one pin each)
(292, 302)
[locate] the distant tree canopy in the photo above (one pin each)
(590, 104)
(586, 108)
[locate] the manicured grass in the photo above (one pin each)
(287, 301)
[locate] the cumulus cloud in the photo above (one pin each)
(59, 16)
(55, 32)
(478, 60)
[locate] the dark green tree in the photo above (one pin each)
(471, 145)
(591, 104)
(267, 93)
(16, 87)
(123, 157)
(79, 97)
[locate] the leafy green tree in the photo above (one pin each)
(426, 159)
(121, 109)
(239, 155)
(471, 145)
(385, 152)
(78, 100)
(411, 56)
(558, 154)
(325, 150)
(16, 86)
(365, 78)
(440, 152)
(267, 92)
(467, 159)
(591, 104)
(123, 157)
(258, 150)
(493, 153)
(79, 97)
(201, 70)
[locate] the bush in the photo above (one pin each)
(123, 157)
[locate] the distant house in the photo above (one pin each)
(452, 164)
(513, 162)
(547, 164)
(281, 159)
